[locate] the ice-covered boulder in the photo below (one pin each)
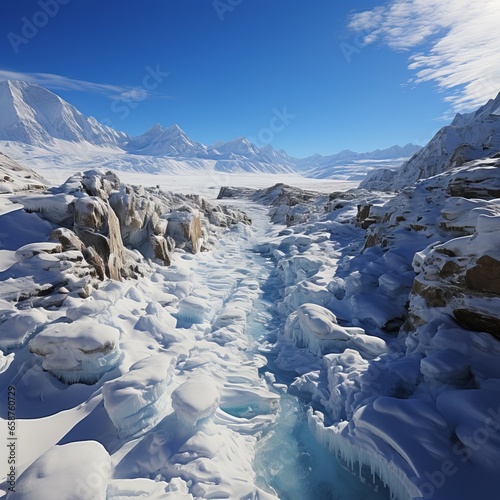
(138, 400)
(460, 215)
(44, 276)
(78, 470)
(78, 352)
(195, 400)
(314, 327)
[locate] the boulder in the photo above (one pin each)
(484, 276)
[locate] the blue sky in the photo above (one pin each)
(348, 75)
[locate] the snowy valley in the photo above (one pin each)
(302, 339)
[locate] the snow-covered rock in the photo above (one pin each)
(78, 352)
(315, 328)
(15, 177)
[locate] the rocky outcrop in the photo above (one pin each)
(289, 205)
(97, 225)
(481, 181)
(108, 230)
(184, 227)
(461, 277)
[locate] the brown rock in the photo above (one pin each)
(69, 240)
(95, 260)
(97, 226)
(363, 214)
(484, 276)
(161, 248)
(434, 296)
(478, 321)
(449, 269)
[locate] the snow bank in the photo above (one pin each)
(74, 470)
(195, 400)
(176, 489)
(315, 328)
(17, 328)
(159, 323)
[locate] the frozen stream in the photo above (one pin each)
(289, 459)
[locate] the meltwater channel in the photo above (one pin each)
(289, 459)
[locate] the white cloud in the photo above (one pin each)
(455, 44)
(58, 82)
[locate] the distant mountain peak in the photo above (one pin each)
(34, 115)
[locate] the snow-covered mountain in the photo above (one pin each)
(171, 141)
(42, 130)
(33, 115)
(354, 165)
(469, 137)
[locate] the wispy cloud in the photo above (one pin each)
(59, 82)
(454, 44)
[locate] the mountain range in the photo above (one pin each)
(35, 120)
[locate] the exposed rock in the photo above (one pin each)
(97, 226)
(484, 276)
(69, 240)
(478, 321)
(434, 296)
(184, 226)
(102, 221)
(364, 218)
(95, 260)
(481, 182)
(162, 248)
(97, 183)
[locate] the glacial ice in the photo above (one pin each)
(193, 310)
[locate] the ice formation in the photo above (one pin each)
(138, 400)
(81, 351)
